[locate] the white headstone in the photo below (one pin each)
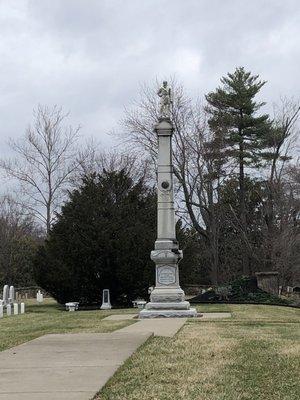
(141, 304)
(1, 311)
(12, 294)
(22, 308)
(16, 308)
(5, 294)
(106, 300)
(72, 306)
(8, 309)
(39, 297)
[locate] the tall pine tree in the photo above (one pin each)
(235, 120)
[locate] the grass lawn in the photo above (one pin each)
(51, 318)
(255, 355)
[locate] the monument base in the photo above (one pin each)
(182, 305)
(105, 307)
(168, 313)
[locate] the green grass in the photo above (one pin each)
(254, 312)
(51, 318)
(253, 356)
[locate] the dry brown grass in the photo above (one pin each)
(237, 359)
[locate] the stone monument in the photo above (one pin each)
(11, 297)
(5, 294)
(105, 300)
(167, 299)
(39, 297)
(8, 309)
(268, 281)
(72, 306)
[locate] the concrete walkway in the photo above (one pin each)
(64, 366)
(167, 327)
(76, 366)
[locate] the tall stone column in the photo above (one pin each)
(167, 299)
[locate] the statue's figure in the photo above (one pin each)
(164, 93)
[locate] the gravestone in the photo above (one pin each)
(12, 294)
(5, 294)
(268, 281)
(106, 300)
(8, 309)
(289, 289)
(22, 308)
(16, 308)
(1, 311)
(141, 304)
(72, 306)
(39, 297)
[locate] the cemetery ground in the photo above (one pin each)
(48, 317)
(254, 355)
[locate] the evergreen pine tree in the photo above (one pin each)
(235, 118)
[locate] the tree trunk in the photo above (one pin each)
(242, 206)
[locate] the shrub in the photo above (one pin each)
(102, 239)
(241, 290)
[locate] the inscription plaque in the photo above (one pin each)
(105, 296)
(166, 275)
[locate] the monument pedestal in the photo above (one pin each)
(167, 299)
(168, 313)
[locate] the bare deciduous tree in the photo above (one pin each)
(202, 165)
(198, 165)
(18, 239)
(44, 163)
(281, 188)
(92, 159)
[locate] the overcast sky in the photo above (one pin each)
(90, 56)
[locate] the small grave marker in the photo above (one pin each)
(72, 306)
(39, 297)
(16, 308)
(8, 310)
(22, 308)
(105, 300)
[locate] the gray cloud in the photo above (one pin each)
(90, 56)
